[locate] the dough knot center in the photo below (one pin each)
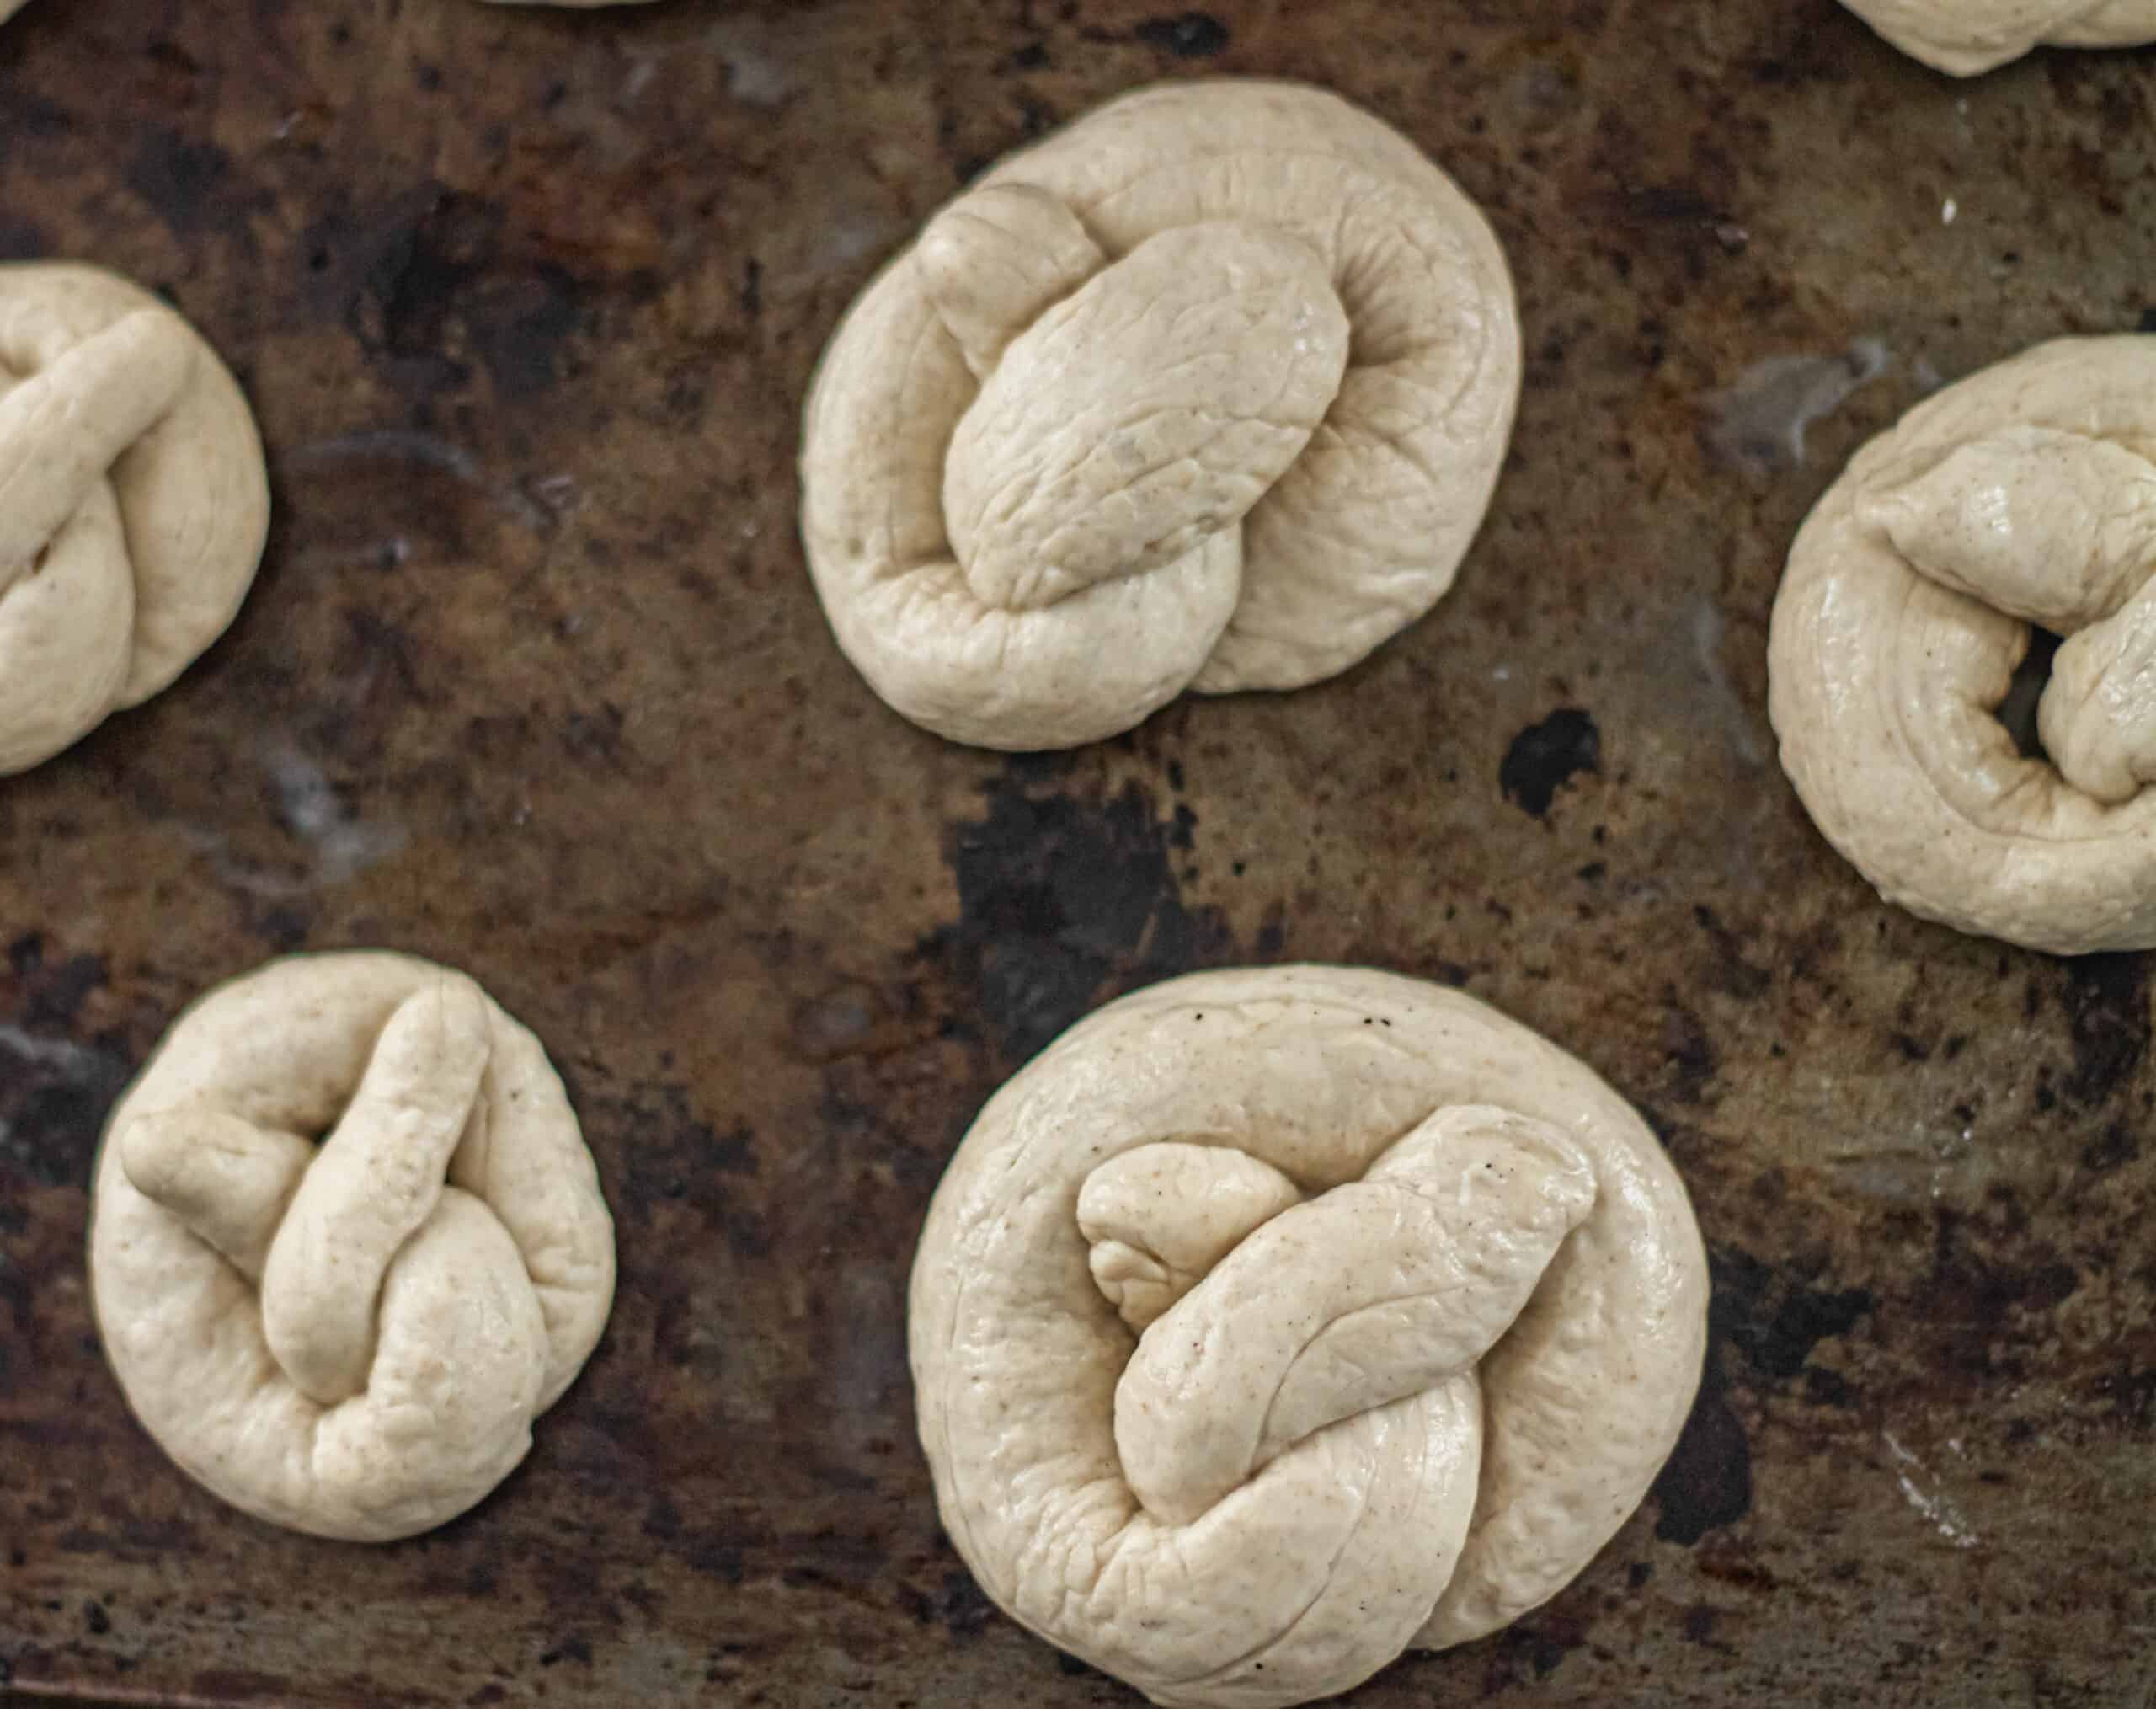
(317, 1230)
(1131, 411)
(1264, 1316)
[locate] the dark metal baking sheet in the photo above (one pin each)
(533, 682)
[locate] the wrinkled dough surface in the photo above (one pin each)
(1210, 390)
(2026, 492)
(349, 1339)
(1270, 1323)
(1965, 37)
(134, 502)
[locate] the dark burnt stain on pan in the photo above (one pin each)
(1066, 897)
(1545, 756)
(57, 1085)
(1186, 35)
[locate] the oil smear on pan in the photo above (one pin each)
(1760, 422)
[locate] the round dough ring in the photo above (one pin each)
(1883, 684)
(465, 1328)
(1279, 587)
(1017, 1356)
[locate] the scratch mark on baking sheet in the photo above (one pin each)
(428, 450)
(756, 76)
(342, 845)
(1707, 633)
(1946, 1517)
(1760, 422)
(60, 1054)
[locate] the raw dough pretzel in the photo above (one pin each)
(1965, 37)
(1210, 390)
(134, 502)
(2026, 492)
(1420, 1308)
(351, 1339)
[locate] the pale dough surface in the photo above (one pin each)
(350, 1338)
(134, 502)
(1270, 1323)
(1965, 37)
(2026, 492)
(1208, 391)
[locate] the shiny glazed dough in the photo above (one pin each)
(134, 502)
(1965, 37)
(2026, 492)
(1270, 1323)
(351, 1339)
(1208, 391)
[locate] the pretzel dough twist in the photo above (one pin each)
(1270, 1323)
(350, 1338)
(1210, 391)
(2026, 494)
(134, 502)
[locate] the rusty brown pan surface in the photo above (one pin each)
(533, 682)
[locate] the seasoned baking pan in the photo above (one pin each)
(534, 683)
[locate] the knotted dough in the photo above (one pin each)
(350, 1338)
(2026, 494)
(1965, 37)
(1208, 391)
(1270, 1323)
(134, 502)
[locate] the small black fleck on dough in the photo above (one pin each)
(1545, 756)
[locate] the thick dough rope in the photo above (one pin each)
(1270, 1324)
(351, 1339)
(1967, 37)
(2026, 494)
(134, 502)
(1210, 391)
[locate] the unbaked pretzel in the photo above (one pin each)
(134, 502)
(1208, 391)
(350, 1338)
(1270, 1323)
(2026, 494)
